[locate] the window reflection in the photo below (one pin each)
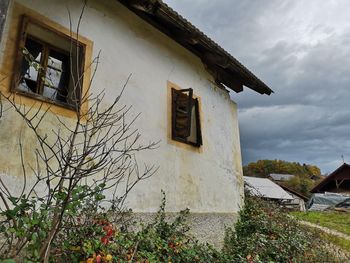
(31, 66)
(44, 71)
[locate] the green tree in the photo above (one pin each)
(306, 175)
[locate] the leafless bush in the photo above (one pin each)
(73, 163)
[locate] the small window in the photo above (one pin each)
(185, 117)
(50, 65)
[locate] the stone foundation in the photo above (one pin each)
(206, 227)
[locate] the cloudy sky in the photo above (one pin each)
(301, 49)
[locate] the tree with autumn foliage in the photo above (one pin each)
(263, 168)
(306, 175)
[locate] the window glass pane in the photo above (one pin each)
(55, 63)
(54, 94)
(58, 60)
(53, 77)
(34, 48)
(30, 66)
(193, 135)
(46, 68)
(28, 86)
(49, 92)
(182, 113)
(32, 72)
(57, 75)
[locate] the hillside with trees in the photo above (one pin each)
(306, 175)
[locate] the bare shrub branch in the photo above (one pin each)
(96, 151)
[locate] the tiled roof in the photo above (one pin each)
(226, 70)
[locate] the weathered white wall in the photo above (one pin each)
(3, 12)
(205, 181)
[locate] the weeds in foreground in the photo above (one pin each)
(263, 233)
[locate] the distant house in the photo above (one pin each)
(265, 188)
(281, 177)
(336, 182)
(299, 199)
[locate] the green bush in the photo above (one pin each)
(160, 241)
(264, 233)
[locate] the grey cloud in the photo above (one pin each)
(301, 49)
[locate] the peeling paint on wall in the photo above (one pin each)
(208, 180)
(3, 12)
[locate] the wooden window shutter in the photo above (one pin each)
(181, 113)
(198, 124)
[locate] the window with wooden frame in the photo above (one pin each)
(185, 117)
(50, 65)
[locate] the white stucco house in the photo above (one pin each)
(172, 64)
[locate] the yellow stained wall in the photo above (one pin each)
(8, 67)
(208, 179)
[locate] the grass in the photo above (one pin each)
(338, 221)
(338, 241)
(334, 220)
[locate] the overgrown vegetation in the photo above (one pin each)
(159, 241)
(333, 220)
(339, 221)
(89, 235)
(263, 168)
(264, 233)
(339, 242)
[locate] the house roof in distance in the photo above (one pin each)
(226, 70)
(264, 187)
(292, 191)
(281, 177)
(340, 175)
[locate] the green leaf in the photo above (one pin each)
(7, 261)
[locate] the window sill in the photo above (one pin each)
(197, 145)
(45, 99)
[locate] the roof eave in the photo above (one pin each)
(320, 185)
(225, 69)
(293, 192)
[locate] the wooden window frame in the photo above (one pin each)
(192, 101)
(26, 20)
